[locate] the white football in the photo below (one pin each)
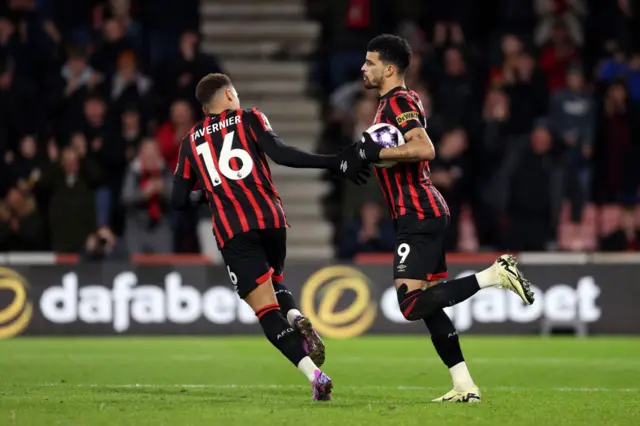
(387, 136)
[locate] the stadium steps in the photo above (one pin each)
(299, 111)
(268, 70)
(248, 36)
(253, 11)
(259, 49)
(280, 89)
(277, 31)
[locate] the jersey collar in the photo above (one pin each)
(392, 92)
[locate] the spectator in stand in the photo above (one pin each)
(145, 194)
(18, 106)
(128, 85)
(616, 68)
(114, 43)
(557, 56)
(26, 168)
(131, 132)
(163, 21)
(619, 228)
(351, 196)
(104, 245)
(370, 233)
(170, 134)
(490, 145)
(68, 185)
(573, 118)
(20, 224)
(454, 91)
(537, 185)
(77, 74)
(180, 79)
(76, 82)
(449, 175)
(568, 12)
(525, 84)
(120, 10)
(511, 48)
(349, 27)
(617, 150)
(516, 16)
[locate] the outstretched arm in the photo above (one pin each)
(290, 156)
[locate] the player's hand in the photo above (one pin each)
(197, 197)
(367, 149)
(350, 166)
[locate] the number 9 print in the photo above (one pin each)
(403, 251)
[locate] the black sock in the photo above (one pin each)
(445, 338)
(285, 298)
(281, 334)
(449, 293)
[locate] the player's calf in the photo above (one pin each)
(312, 341)
(286, 338)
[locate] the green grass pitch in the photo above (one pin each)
(378, 381)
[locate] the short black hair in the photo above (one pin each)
(209, 85)
(392, 50)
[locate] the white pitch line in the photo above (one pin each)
(365, 387)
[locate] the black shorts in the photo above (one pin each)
(420, 253)
(255, 256)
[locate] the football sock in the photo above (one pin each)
(286, 301)
(489, 277)
(462, 380)
(447, 344)
(452, 292)
(280, 333)
(308, 368)
(445, 338)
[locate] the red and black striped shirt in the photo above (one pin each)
(222, 153)
(407, 187)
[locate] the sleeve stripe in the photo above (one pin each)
(186, 172)
(257, 114)
(183, 168)
(395, 107)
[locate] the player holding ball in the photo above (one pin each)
(400, 149)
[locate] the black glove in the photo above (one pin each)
(367, 149)
(348, 165)
(197, 197)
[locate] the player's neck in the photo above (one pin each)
(389, 85)
(217, 109)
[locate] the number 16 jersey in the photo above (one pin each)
(222, 153)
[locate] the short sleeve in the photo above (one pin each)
(184, 169)
(405, 114)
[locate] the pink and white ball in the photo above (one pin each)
(387, 136)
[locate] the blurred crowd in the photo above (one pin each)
(534, 107)
(95, 96)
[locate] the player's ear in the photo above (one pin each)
(228, 92)
(389, 70)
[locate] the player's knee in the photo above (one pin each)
(417, 304)
(407, 301)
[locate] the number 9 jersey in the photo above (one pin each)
(222, 153)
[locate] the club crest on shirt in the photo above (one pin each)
(266, 122)
(411, 115)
